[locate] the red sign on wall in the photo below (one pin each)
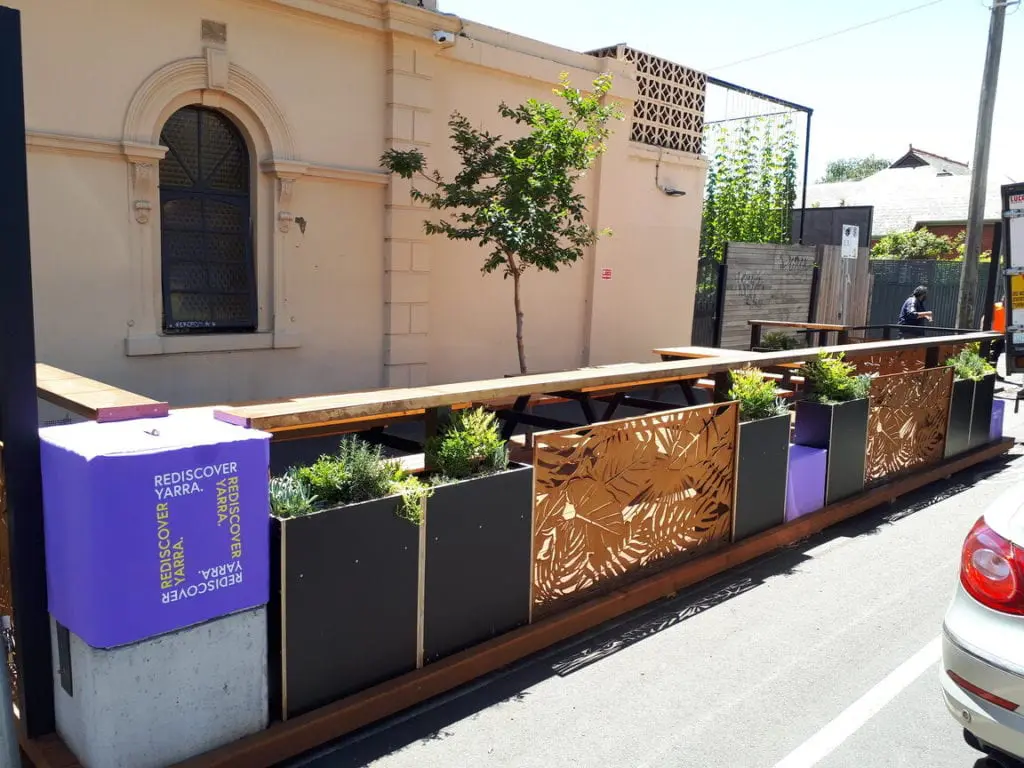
(606, 274)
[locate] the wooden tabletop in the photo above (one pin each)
(93, 399)
(801, 326)
(299, 413)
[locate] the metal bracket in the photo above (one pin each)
(67, 681)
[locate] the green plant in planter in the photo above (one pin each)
(756, 395)
(830, 380)
(470, 446)
(777, 341)
(358, 472)
(969, 365)
(290, 496)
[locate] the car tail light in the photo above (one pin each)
(992, 570)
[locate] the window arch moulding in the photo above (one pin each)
(214, 82)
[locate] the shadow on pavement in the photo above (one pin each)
(430, 720)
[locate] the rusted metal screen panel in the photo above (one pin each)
(617, 497)
(888, 363)
(765, 282)
(908, 421)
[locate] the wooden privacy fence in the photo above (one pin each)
(614, 514)
(763, 279)
(788, 283)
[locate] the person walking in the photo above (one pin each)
(913, 314)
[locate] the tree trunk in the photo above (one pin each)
(519, 321)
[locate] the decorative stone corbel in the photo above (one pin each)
(142, 163)
(284, 201)
(286, 172)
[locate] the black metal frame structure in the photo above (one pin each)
(789, 106)
(19, 417)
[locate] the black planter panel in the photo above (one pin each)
(843, 430)
(351, 597)
(761, 476)
(981, 416)
(961, 408)
(478, 561)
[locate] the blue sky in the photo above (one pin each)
(913, 79)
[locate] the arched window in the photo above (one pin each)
(207, 263)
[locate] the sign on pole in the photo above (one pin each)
(851, 241)
(1013, 262)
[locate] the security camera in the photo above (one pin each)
(441, 37)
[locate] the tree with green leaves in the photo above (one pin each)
(917, 244)
(518, 197)
(853, 169)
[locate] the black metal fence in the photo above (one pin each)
(706, 305)
(894, 281)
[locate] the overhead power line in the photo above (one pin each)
(830, 35)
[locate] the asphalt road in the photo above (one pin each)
(821, 654)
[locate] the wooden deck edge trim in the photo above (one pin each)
(283, 741)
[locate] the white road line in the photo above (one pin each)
(850, 720)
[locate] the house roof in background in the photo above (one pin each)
(905, 197)
(918, 158)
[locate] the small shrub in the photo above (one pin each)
(778, 341)
(471, 445)
(756, 395)
(969, 365)
(358, 472)
(290, 496)
(829, 380)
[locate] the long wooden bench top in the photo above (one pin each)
(800, 326)
(93, 399)
(336, 409)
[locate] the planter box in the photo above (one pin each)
(981, 414)
(961, 409)
(842, 430)
(805, 480)
(761, 476)
(995, 431)
(479, 545)
(346, 615)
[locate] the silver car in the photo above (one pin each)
(983, 634)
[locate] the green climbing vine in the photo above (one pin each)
(751, 186)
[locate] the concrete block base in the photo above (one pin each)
(161, 701)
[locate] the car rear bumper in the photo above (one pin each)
(994, 726)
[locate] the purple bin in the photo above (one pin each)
(805, 491)
(995, 430)
(154, 525)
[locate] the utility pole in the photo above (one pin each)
(979, 169)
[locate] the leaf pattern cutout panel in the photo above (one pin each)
(888, 363)
(908, 421)
(614, 497)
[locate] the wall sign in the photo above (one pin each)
(606, 274)
(851, 241)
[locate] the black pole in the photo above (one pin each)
(807, 163)
(19, 417)
(993, 276)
